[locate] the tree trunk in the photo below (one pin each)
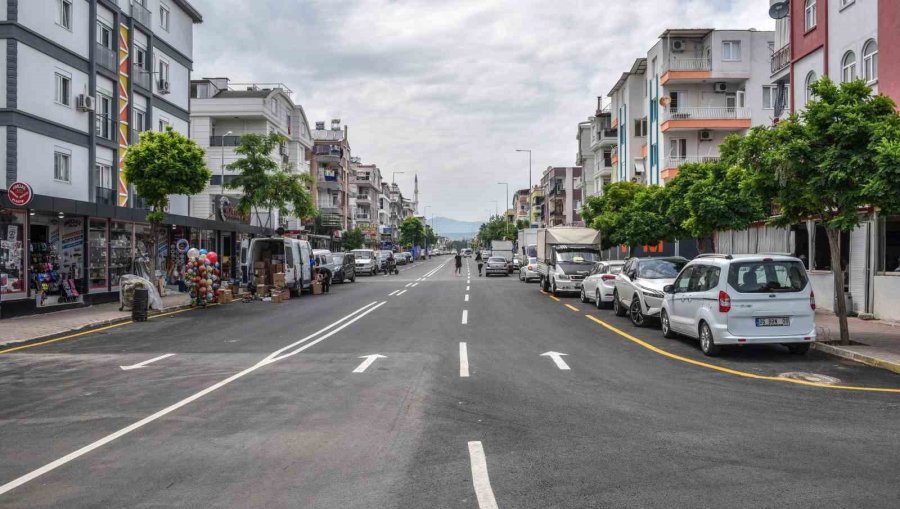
(700, 246)
(840, 307)
(154, 230)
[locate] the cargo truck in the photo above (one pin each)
(566, 255)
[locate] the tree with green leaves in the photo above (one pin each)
(412, 231)
(838, 156)
(264, 183)
(162, 164)
(606, 213)
(353, 239)
(494, 229)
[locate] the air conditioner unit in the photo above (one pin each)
(163, 86)
(678, 46)
(85, 102)
(706, 135)
(720, 86)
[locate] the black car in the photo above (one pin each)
(344, 267)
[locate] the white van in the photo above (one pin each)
(741, 300)
(294, 253)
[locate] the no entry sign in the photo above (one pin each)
(19, 194)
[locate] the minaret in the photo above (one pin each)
(416, 196)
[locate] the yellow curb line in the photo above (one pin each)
(735, 372)
(84, 333)
(573, 308)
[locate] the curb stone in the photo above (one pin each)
(837, 351)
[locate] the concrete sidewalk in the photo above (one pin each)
(874, 342)
(48, 325)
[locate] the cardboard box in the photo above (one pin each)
(224, 297)
(316, 288)
(260, 265)
(262, 290)
(278, 279)
(277, 267)
(277, 298)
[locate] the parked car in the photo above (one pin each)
(366, 261)
(639, 286)
(529, 272)
(741, 300)
(466, 252)
(599, 285)
(496, 265)
(401, 258)
(343, 267)
(517, 262)
(408, 256)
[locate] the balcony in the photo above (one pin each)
(362, 217)
(106, 57)
(781, 59)
(675, 162)
(686, 69)
(326, 153)
(705, 117)
(104, 196)
(141, 77)
(227, 141)
(141, 14)
(363, 198)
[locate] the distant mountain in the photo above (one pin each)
(455, 230)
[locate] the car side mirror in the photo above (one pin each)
(669, 289)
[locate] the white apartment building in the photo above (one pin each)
(624, 138)
(585, 159)
(80, 80)
(366, 211)
(222, 112)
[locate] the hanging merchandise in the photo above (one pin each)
(202, 276)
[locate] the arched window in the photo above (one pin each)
(809, 13)
(810, 79)
(870, 61)
(848, 67)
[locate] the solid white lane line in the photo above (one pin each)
(465, 316)
(369, 359)
(463, 361)
(401, 293)
(165, 411)
(557, 359)
(480, 479)
(393, 293)
(467, 297)
(142, 364)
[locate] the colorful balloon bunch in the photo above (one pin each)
(202, 276)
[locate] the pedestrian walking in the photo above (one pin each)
(480, 262)
(458, 258)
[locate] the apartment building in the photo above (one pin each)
(624, 141)
(222, 112)
(366, 215)
(703, 85)
(81, 80)
(536, 206)
(331, 166)
(521, 211)
(584, 158)
(562, 201)
(602, 145)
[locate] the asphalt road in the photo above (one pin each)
(278, 405)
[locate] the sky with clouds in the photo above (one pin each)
(449, 90)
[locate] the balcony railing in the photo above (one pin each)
(689, 64)
(781, 58)
(141, 14)
(705, 112)
(362, 217)
(106, 57)
(675, 162)
(104, 196)
(141, 77)
(229, 141)
(363, 197)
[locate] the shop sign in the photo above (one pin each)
(226, 209)
(19, 194)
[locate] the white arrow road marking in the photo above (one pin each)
(480, 480)
(463, 361)
(369, 359)
(465, 316)
(142, 364)
(557, 358)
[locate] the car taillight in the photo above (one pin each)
(608, 277)
(530, 267)
(724, 302)
(812, 300)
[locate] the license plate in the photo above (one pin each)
(772, 321)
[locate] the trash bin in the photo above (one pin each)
(140, 304)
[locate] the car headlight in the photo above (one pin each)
(563, 277)
(651, 293)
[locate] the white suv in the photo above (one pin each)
(741, 299)
(638, 290)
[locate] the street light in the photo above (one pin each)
(507, 202)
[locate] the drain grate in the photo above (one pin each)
(811, 377)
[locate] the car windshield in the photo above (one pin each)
(615, 269)
(660, 269)
(497, 259)
(531, 251)
(767, 276)
(532, 259)
(363, 255)
(337, 259)
(589, 257)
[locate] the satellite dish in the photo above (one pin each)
(664, 101)
(779, 9)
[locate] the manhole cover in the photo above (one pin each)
(810, 377)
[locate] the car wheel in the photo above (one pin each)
(707, 345)
(545, 287)
(618, 308)
(353, 277)
(599, 300)
(666, 326)
(553, 287)
(521, 276)
(798, 348)
(584, 298)
(636, 313)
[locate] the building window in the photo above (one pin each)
(889, 244)
(848, 67)
(870, 61)
(62, 166)
(731, 50)
(103, 118)
(139, 121)
(809, 14)
(164, 17)
(103, 176)
(63, 89)
(810, 80)
(163, 72)
(640, 127)
(104, 35)
(770, 96)
(163, 123)
(64, 14)
(140, 57)
(678, 148)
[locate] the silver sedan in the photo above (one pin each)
(598, 287)
(528, 271)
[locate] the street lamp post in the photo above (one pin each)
(507, 202)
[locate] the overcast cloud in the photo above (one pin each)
(450, 89)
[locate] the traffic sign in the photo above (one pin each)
(19, 194)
